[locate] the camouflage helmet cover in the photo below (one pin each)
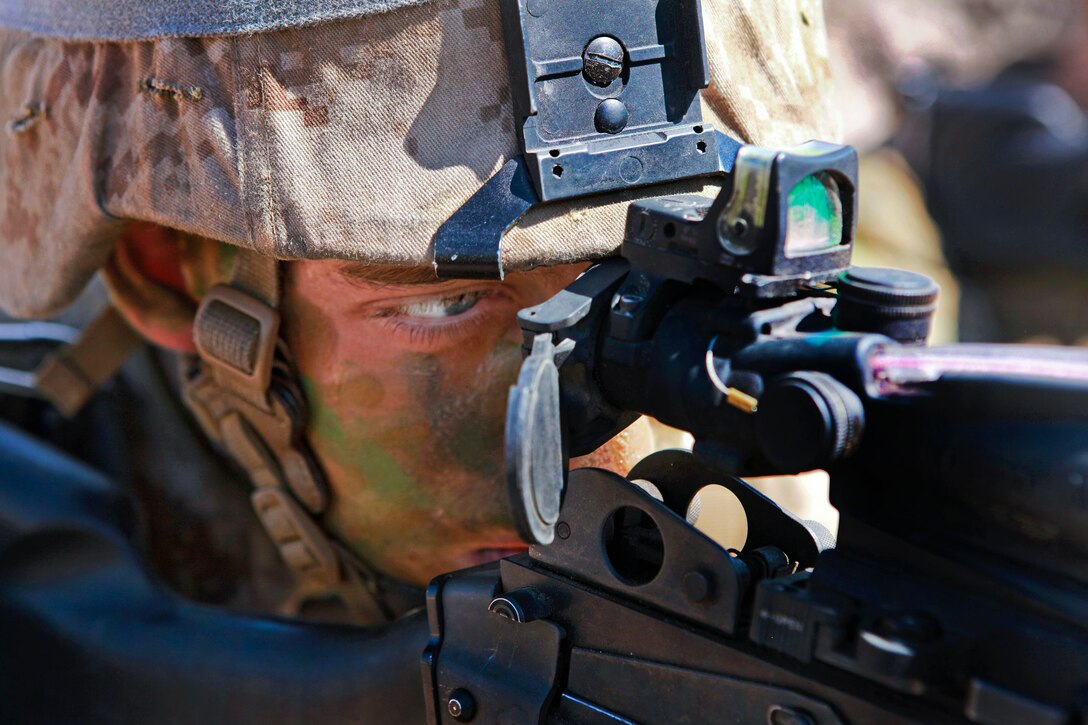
(353, 135)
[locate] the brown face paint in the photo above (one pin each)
(362, 387)
(410, 433)
(466, 408)
(354, 446)
(308, 329)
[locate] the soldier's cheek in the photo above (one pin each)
(462, 395)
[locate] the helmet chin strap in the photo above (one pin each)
(245, 395)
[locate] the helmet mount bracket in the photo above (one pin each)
(604, 101)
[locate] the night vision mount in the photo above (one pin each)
(606, 99)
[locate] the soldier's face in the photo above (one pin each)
(407, 386)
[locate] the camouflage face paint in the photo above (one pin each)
(469, 421)
(349, 442)
(407, 414)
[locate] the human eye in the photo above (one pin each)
(438, 308)
(437, 320)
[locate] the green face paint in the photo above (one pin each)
(407, 411)
(227, 255)
(354, 446)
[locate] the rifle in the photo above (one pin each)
(956, 591)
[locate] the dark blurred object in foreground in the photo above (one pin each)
(1005, 168)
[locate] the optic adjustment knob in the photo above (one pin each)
(889, 302)
(807, 421)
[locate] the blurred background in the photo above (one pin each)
(970, 116)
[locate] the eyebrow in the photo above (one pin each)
(389, 274)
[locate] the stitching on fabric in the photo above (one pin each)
(275, 218)
(242, 140)
(168, 89)
(30, 116)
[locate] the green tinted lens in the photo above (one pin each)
(814, 221)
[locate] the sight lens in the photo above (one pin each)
(814, 221)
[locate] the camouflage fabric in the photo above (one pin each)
(354, 139)
(143, 19)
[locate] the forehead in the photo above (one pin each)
(376, 275)
(386, 275)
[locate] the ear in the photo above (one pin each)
(152, 277)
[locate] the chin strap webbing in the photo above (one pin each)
(70, 377)
(246, 397)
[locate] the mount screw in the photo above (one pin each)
(461, 706)
(603, 61)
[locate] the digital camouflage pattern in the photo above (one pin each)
(354, 139)
(144, 19)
